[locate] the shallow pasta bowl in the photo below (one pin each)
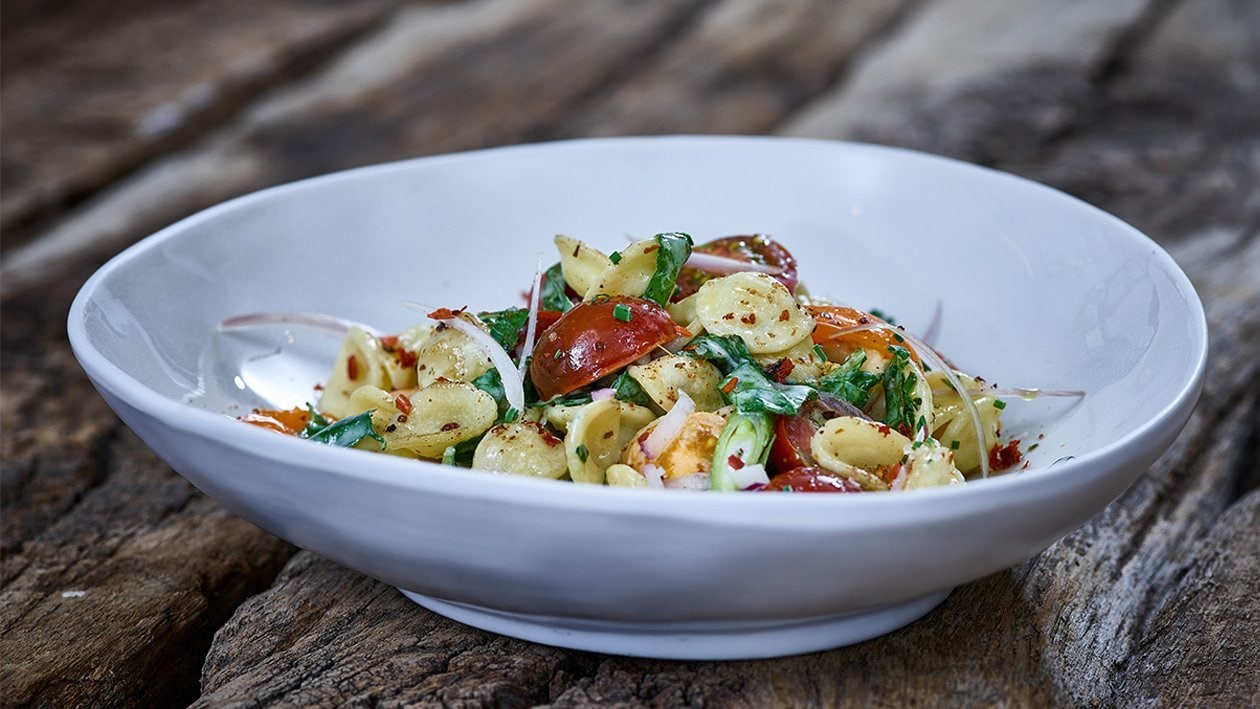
(1035, 289)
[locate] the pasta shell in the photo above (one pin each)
(846, 444)
(439, 416)
(757, 308)
(521, 448)
(580, 263)
(592, 441)
(630, 275)
(665, 376)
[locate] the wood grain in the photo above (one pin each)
(1144, 107)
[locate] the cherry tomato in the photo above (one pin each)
(810, 479)
(792, 434)
(833, 334)
(596, 339)
(546, 318)
(289, 421)
(753, 248)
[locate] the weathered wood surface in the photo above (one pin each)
(121, 584)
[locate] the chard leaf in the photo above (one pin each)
(348, 431)
(675, 249)
(849, 382)
(553, 296)
(492, 383)
(899, 398)
(627, 389)
(726, 351)
(505, 325)
(754, 392)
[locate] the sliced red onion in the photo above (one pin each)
(531, 328)
(1021, 392)
(750, 475)
(668, 427)
(695, 481)
(322, 321)
(934, 325)
(600, 394)
(513, 386)
(710, 263)
(655, 475)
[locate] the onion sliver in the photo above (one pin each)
(749, 475)
(331, 323)
(720, 264)
(605, 393)
(513, 387)
(668, 426)
(654, 474)
(531, 328)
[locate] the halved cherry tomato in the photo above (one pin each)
(288, 421)
(753, 248)
(595, 339)
(792, 434)
(810, 479)
(546, 318)
(834, 332)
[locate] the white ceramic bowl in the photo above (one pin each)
(1038, 289)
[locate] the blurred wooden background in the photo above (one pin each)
(121, 584)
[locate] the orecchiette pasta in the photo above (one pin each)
(674, 366)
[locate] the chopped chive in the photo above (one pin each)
(621, 311)
(898, 337)
(582, 453)
(557, 355)
(999, 404)
(448, 456)
(955, 445)
(1033, 447)
(818, 350)
(615, 257)
(511, 415)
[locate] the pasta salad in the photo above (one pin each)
(665, 364)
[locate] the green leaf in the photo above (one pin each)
(317, 423)
(675, 249)
(348, 431)
(899, 399)
(463, 453)
(746, 437)
(754, 392)
(627, 389)
(552, 296)
(849, 382)
(505, 325)
(576, 398)
(726, 351)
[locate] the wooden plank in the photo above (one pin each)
(92, 93)
(743, 66)
(440, 79)
(1041, 54)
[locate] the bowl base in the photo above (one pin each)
(701, 640)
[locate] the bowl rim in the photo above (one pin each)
(400, 473)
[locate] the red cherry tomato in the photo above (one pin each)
(596, 339)
(810, 479)
(792, 434)
(753, 248)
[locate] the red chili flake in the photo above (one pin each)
(319, 387)
(389, 342)
(406, 358)
(446, 313)
(682, 331)
(1002, 457)
(402, 403)
(450, 426)
(780, 370)
(884, 430)
(785, 316)
(749, 319)
(402, 418)
(352, 367)
(734, 462)
(730, 385)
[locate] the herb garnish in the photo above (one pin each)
(675, 249)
